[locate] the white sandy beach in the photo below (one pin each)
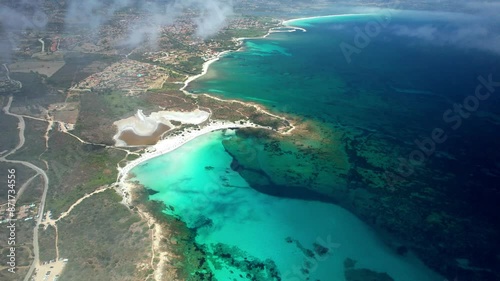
(170, 144)
(206, 65)
(174, 142)
(285, 24)
(290, 21)
(146, 125)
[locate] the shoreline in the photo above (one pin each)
(126, 176)
(170, 144)
(288, 22)
(205, 67)
(173, 142)
(125, 187)
(239, 40)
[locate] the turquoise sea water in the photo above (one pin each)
(392, 81)
(198, 186)
(392, 92)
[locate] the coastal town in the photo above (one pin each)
(127, 75)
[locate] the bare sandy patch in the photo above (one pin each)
(50, 271)
(144, 126)
(65, 112)
(47, 68)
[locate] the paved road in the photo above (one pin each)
(39, 171)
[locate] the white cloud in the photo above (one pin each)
(477, 29)
(93, 13)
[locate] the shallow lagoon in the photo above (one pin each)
(199, 187)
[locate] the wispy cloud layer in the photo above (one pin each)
(26, 15)
(14, 20)
(212, 15)
(477, 30)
